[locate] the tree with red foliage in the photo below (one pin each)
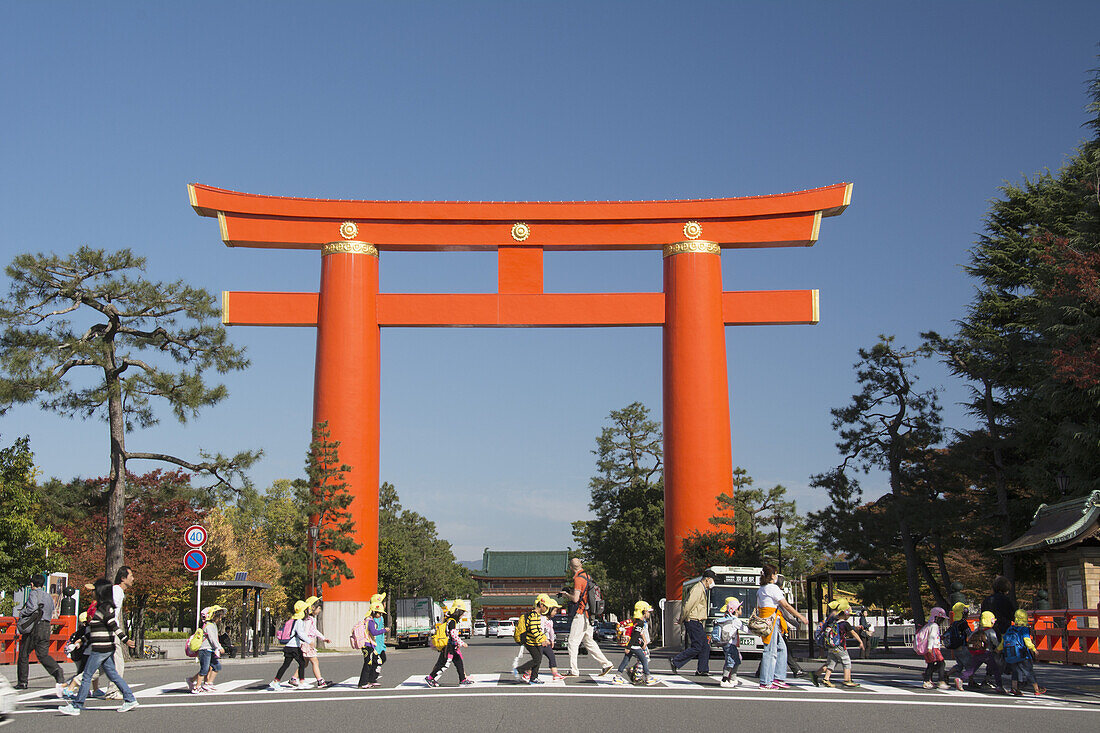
(158, 512)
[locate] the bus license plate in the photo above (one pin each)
(748, 641)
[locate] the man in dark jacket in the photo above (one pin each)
(37, 636)
(1001, 604)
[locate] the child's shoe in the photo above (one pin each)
(558, 677)
(209, 688)
(466, 682)
(619, 680)
(959, 684)
(515, 674)
(781, 684)
(1017, 693)
(815, 678)
(927, 685)
(1041, 691)
(431, 681)
(69, 709)
(127, 706)
(942, 685)
(275, 686)
(537, 681)
(652, 681)
(526, 676)
(727, 683)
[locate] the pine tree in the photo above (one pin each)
(93, 313)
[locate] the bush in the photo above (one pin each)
(167, 634)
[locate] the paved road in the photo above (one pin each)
(891, 698)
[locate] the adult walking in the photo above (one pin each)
(1001, 605)
(104, 635)
(770, 603)
(580, 628)
(693, 615)
(124, 579)
(34, 633)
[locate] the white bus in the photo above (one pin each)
(743, 583)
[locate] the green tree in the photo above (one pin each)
(890, 425)
(624, 544)
(412, 559)
(92, 312)
(322, 499)
(24, 543)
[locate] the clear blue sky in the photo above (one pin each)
(110, 109)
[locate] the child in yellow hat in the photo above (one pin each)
(983, 643)
(309, 648)
(373, 646)
(833, 636)
(209, 653)
(954, 640)
(1019, 650)
(729, 631)
(637, 645)
(295, 635)
(452, 652)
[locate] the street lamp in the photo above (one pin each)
(1063, 482)
(314, 533)
(779, 539)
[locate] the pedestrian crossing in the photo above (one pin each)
(907, 687)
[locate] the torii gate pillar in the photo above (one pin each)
(697, 457)
(346, 396)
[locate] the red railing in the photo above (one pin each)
(1059, 636)
(61, 629)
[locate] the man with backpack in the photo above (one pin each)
(693, 615)
(586, 604)
(33, 626)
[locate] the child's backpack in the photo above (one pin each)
(359, 634)
(920, 641)
(283, 635)
(716, 633)
(439, 636)
(625, 632)
(191, 648)
(1014, 648)
(828, 635)
(953, 637)
(520, 630)
(976, 641)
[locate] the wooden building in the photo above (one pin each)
(509, 581)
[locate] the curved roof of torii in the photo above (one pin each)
(252, 220)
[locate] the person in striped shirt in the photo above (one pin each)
(103, 634)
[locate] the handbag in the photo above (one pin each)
(759, 625)
(28, 624)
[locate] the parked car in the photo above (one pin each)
(479, 628)
(491, 628)
(561, 633)
(7, 701)
(507, 628)
(604, 631)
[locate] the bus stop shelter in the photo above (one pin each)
(826, 581)
(249, 620)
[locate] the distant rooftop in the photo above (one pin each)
(537, 564)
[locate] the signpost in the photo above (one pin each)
(195, 560)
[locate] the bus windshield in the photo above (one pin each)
(719, 594)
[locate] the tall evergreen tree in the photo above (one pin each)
(92, 312)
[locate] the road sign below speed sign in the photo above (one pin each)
(194, 560)
(195, 536)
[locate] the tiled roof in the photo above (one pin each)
(543, 564)
(508, 600)
(1059, 526)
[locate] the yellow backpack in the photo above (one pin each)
(521, 629)
(439, 636)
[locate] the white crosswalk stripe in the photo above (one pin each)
(51, 693)
(172, 688)
(233, 685)
(485, 680)
(678, 682)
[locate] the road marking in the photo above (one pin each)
(172, 688)
(50, 692)
(681, 683)
(414, 681)
(484, 680)
(929, 701)
(232, 685)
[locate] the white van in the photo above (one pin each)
(507, 628)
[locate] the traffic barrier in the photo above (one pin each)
(1059, 636)
(61, 628)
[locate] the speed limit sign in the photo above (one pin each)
(195, 536)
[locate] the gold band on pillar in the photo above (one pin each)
(353, 247)
(698, 246)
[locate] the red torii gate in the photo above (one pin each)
(349, 312)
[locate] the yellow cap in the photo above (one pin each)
(83, 617)
(988, 619)
(1020, 617)
(377, 607)
(840, 605)
(209, 611)
(959, 611)
(733, 601)
(378, 597)
(299, 610)
(311, 600)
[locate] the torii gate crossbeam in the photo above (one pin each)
(348, 313)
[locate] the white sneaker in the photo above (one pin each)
(275, 686)
(59, 688)
(69, 709)
(927, 685)
(124, 707)
(727, 683)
